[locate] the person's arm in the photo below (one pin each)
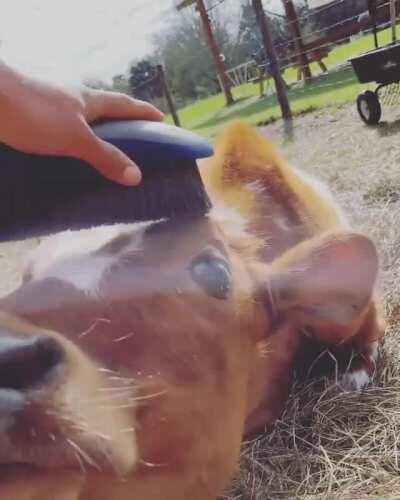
(38, 117)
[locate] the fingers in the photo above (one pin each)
(102, 104)
(111, 162)
(106, 158)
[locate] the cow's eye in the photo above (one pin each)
(212, 274)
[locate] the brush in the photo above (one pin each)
(40, 195)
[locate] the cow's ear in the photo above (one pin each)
(241, 169)
(326, 282)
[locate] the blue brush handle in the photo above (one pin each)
(148, 143)
(152, 145)
(44, 194)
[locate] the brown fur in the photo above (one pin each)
(161, 379)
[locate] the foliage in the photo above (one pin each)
(144, 82)
(183, 50)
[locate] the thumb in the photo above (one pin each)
(111, 162)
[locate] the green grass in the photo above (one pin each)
(208, 115)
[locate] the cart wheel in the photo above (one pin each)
(369, 107)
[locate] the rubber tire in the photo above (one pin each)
(370, 101)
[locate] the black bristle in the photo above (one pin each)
(41, 195)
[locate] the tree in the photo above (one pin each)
(143, 81)
(183, 51)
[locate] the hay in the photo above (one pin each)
(329, 444)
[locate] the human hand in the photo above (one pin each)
(42, 118)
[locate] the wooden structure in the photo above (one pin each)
(168, 96)
(316, 4)
(294, 25)
(273, 61)
(219, 63)
(350, 27)
(157, 87)
(314, 55)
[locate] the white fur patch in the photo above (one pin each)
(356, 380)
(374, 352)
(71, 256)
(84, 273)
(229, 218)
(325, 193)
(256, 187)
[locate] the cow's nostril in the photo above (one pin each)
(27, 362)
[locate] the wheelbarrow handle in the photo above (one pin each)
(372, 12)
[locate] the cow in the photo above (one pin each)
(135, 357)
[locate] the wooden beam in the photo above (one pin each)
(295, 29)
(168, 95)
(219, 64)
(347, 29)
(280, 85)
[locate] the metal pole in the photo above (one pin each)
(271, 54)
(372, 13)
(393, 19)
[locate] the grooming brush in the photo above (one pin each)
(40, 195)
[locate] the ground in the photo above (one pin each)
(339, 86)
(330, 445)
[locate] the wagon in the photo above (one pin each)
(380, 65)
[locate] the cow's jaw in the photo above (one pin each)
(80, 420)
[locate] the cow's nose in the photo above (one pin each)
(28, 363)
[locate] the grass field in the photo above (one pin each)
(208, 115)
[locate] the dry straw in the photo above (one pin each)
(329, 444)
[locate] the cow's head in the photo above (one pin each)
(132, 355)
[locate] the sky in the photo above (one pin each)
(77, 40)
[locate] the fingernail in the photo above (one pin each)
(131, 175)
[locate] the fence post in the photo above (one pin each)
(225, 84)
(393, 19)
(271, 54)
(167, 94)
(293, 20)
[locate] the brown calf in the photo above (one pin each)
(133, 358)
